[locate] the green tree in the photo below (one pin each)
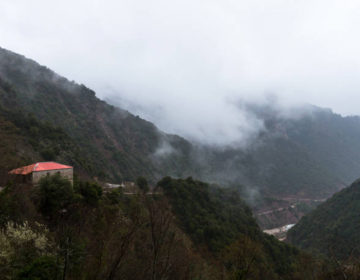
(54, 194)
(91, 192)
(142, 183)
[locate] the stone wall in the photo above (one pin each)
(66, 173)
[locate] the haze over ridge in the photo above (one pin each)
(186, 65)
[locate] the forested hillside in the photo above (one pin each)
(311, 154)
(303, 156)
(118, 143)
(188, 229)
(217, 220)
(333, 229)
(58, 231)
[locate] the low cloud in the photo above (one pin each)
(216, 122)
(186, 64)
(163, 150)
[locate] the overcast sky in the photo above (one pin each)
(184, 64)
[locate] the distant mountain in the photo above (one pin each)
(47, 117)
(333, 228)
(306, 157)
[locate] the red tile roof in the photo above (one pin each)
(39, 166)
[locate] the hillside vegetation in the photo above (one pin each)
(303, 156)
(218, 220)
(56, 231)
(188, 229)
(120, 144)
(333, 229)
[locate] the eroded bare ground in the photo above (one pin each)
(280, 232)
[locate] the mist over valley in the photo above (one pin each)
(179, 140)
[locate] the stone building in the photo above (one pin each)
(34, 172)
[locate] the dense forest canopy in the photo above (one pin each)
(59, 231)
(333, 228)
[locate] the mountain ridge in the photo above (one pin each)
(292, 157)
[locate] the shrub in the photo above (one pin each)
(91, 192)
(42, 268)
(54, 193)
(142, 183)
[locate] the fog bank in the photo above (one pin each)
(187, 65)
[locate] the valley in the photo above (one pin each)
(291, 211)
(289, 167)
(333, 226)
(179, 140)
(211, 212)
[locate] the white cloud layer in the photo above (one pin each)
(183, 64)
